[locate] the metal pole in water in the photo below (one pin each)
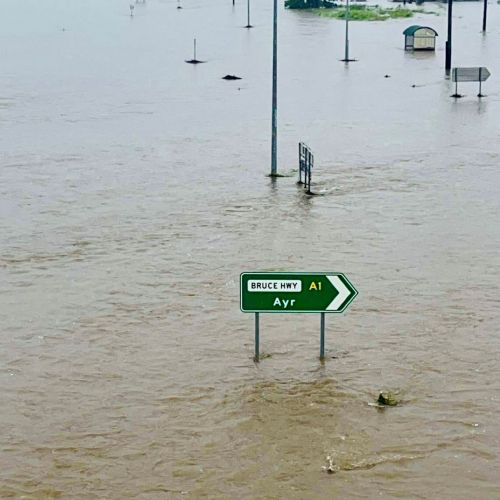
(447, 64)
(300, 165)
(256, 357)
(194, 51)
(308, 181)
(484, 15)
(322, 338)
(274, 149)
(248, 15)
(346, 57)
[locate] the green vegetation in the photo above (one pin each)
(330, 8)
(367, 12)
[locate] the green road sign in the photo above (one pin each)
(295, 292)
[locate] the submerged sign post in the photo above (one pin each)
(295, 293)
(306, 163)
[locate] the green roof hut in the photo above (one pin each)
(420, 38)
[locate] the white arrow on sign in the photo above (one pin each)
(344, 292)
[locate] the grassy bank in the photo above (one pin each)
(369, 13)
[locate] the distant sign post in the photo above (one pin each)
(306, 163)
(295, 293)
(480, 75)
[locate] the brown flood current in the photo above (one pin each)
(133, 193)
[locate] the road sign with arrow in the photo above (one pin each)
(295, 292)
(476, 74)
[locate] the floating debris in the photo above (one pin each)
(331, 468)
(387, 398)
(231, 77)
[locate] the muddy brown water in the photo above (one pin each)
(133, 192)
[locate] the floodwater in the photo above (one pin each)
(133, 193)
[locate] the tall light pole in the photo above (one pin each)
(347, 15)
(274, 149)
(484, 15)
(447, 63)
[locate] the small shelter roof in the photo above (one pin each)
(412, 29)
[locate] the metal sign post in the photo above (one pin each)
(257, 337)
(322, 338)
(295, 293)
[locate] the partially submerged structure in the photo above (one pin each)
(420, 38)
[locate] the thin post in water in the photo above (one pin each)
(346, 56)
(300, 163)
(248, 15)
(274, 148)
(257, 335)
(322, 338)
(308, 163)
(347, 59)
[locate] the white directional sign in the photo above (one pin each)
(470, 74)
